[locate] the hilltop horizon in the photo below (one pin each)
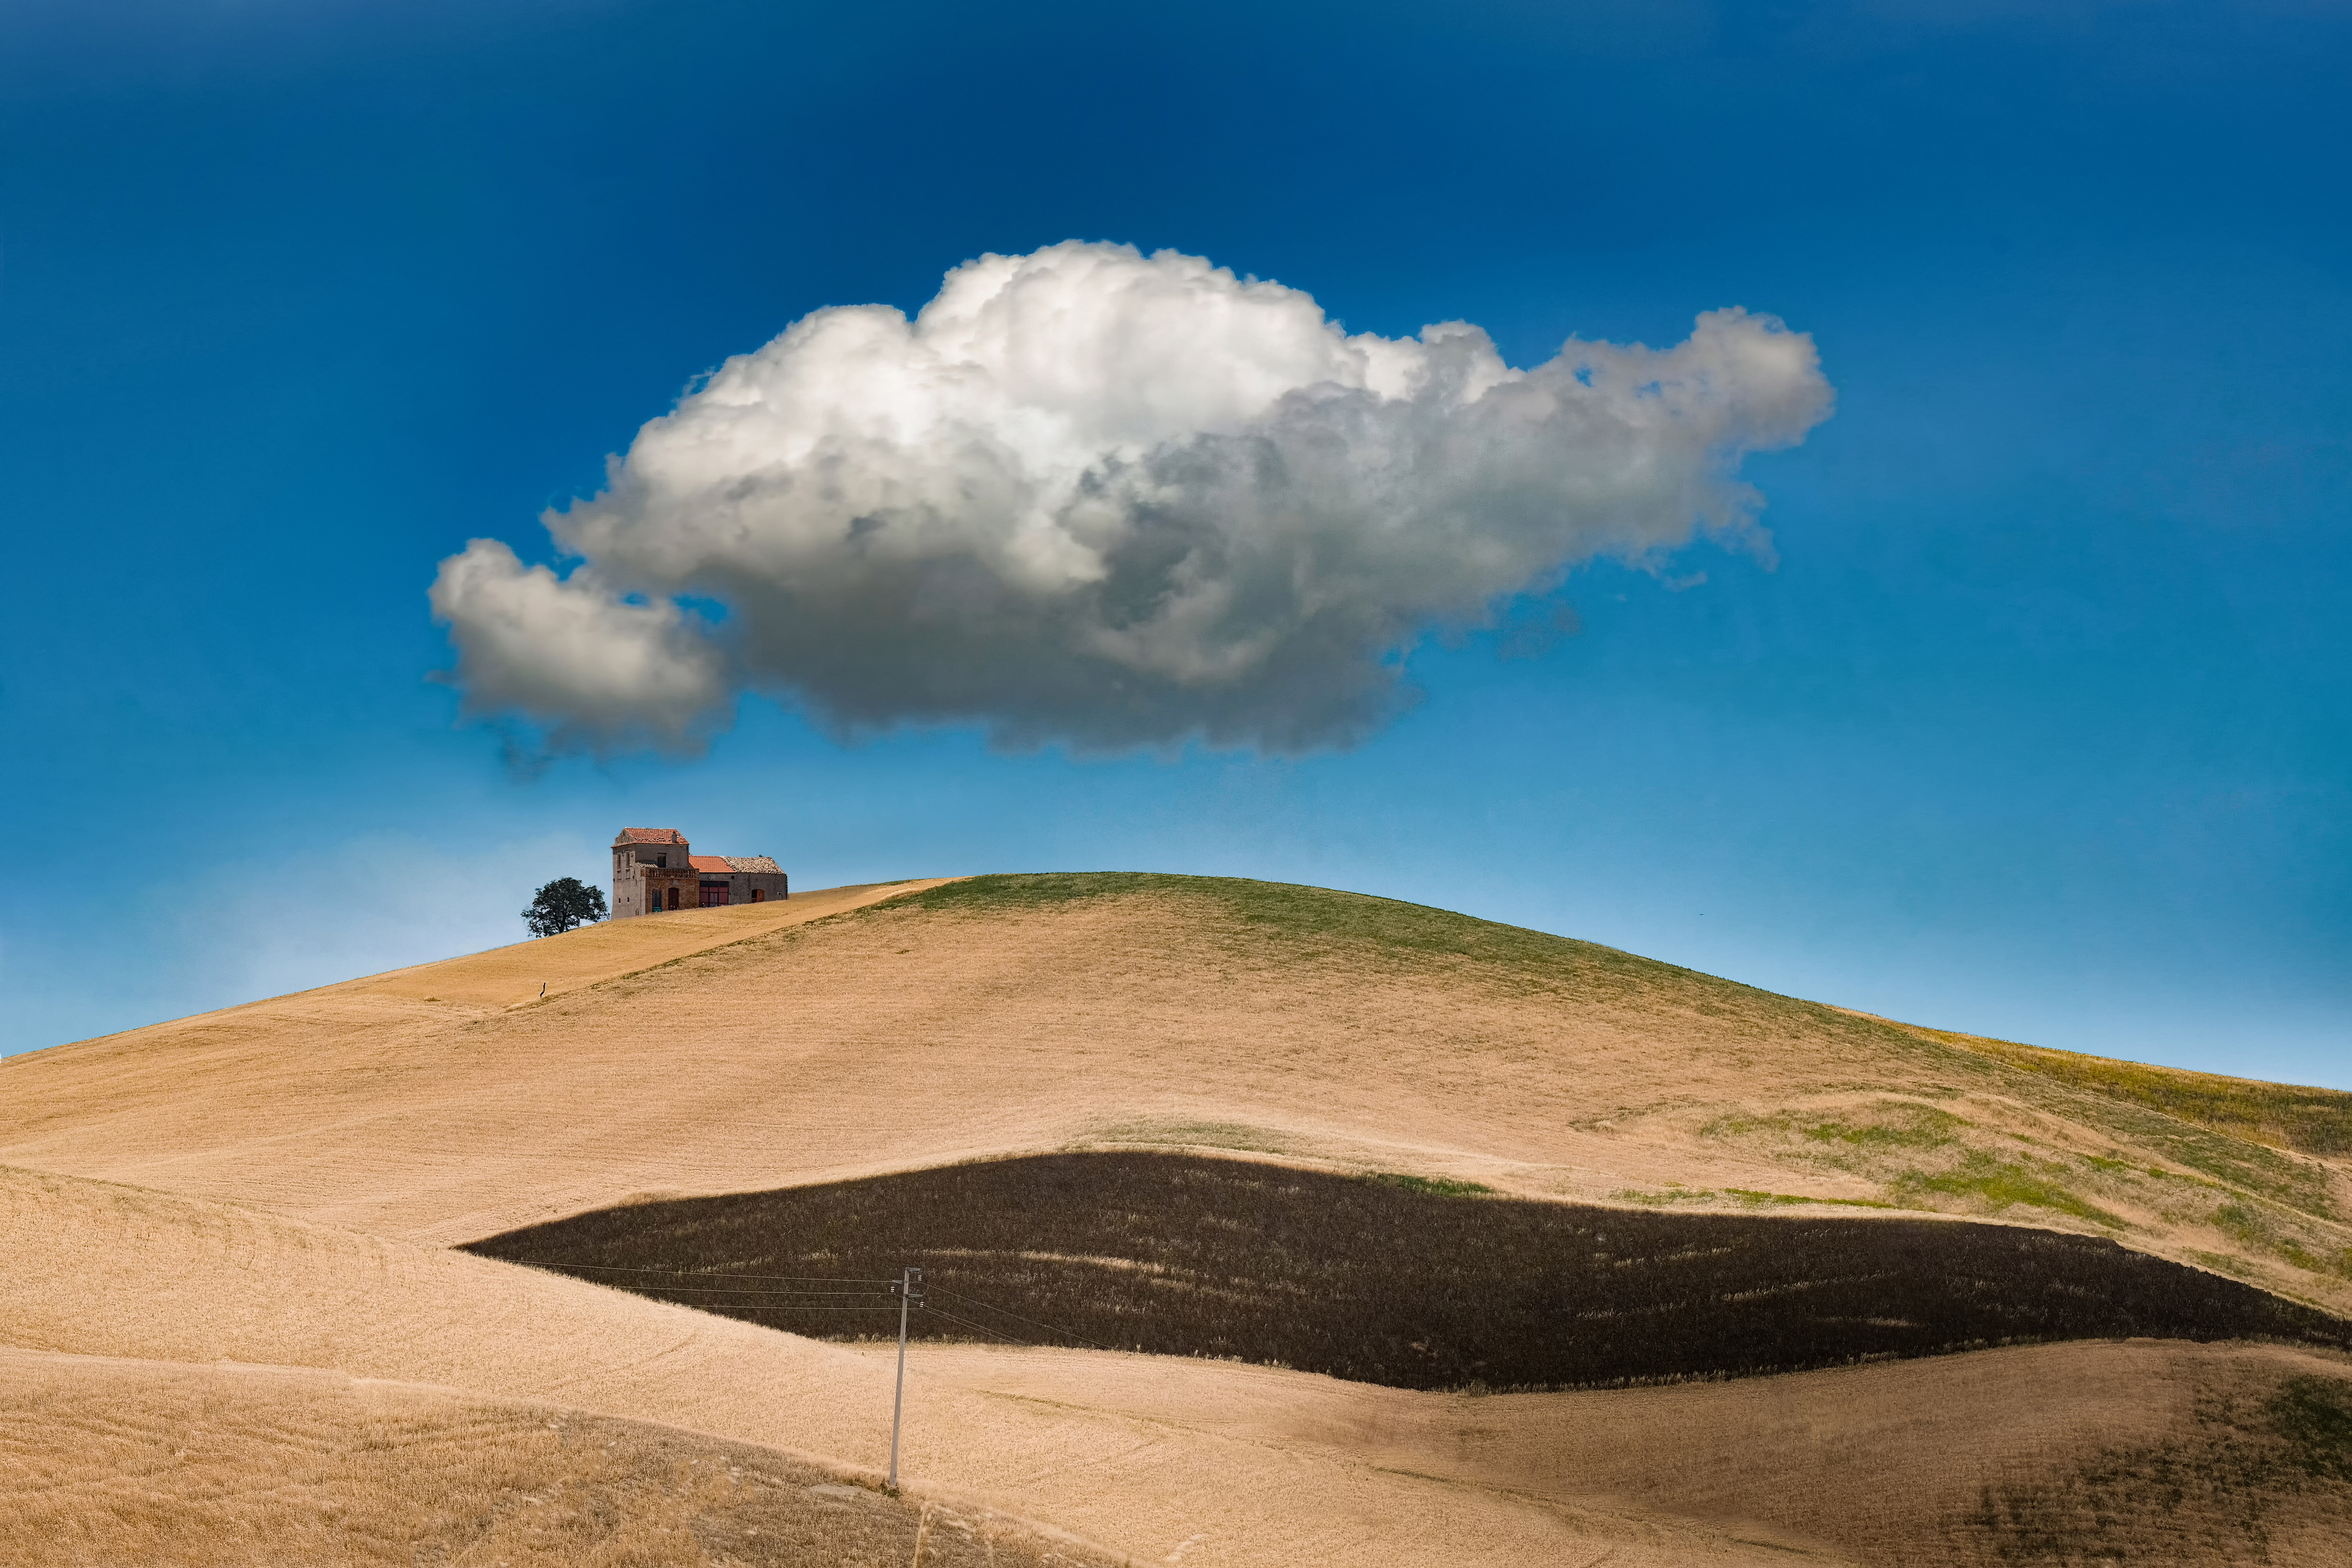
(518, 948)
(781, 424)
(1560, 1210)
(1935, 1122)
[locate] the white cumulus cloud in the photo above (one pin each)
(1108, 499)
(595, 665)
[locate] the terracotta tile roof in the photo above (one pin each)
(708, 863)
(650, 835)
(751, 863)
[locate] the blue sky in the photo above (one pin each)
(2039, 726)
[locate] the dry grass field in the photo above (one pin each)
(1979, 1458)
(1002, 1015)
(528, 972)
(2139, 1452)
(280, 1186)
(114, 1462)
(104, 1271)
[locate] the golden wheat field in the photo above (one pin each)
(232, 1300)
(869, 1035)
(128, 1272)
(119, 1461)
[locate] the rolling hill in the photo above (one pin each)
(127, 1273)
(1024, 1014)
(117, 1461)
(282, 1184)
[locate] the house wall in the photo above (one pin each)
(641, 887)
(631, 861)
(741, 885)
(772, 885)
(657, 881)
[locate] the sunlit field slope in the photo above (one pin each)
(103, 1270)
(496, 1405)
(231, 1298)
(1013, 1015)
(180, 1372)
(2185, 1456)
(108, 1462)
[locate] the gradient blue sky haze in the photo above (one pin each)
(2041, 727)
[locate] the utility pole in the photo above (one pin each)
(910, 1295)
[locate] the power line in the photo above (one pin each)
(766, 1303)
(1017, 1317)
(754, 1308)
(749, 1290)
(977, 1329)
(693, 1273)
(779, 1306)
(784, 1300)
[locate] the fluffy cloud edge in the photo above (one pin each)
(1112, 501)
(616, 674)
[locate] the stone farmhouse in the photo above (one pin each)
(655, 869)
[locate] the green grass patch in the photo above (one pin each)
(1747, 1194)
(2248, 1224)
(1314, 919)
(1439, 1187)
(1896, 1125)
(1282, 909)
(1199, 1135)
(2285, 1115)
(2222, 1263)
(1900, 1127)
(2243, 1224)
(2003, 1185)
(1673, 1192)
(2225, 1160)
(1660, 1200)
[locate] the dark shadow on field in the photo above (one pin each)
(1383, 1281)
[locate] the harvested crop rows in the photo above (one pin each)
(1386, 1281)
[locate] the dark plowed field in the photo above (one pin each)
(1382, 1282)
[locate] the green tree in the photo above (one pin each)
(563, 903)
